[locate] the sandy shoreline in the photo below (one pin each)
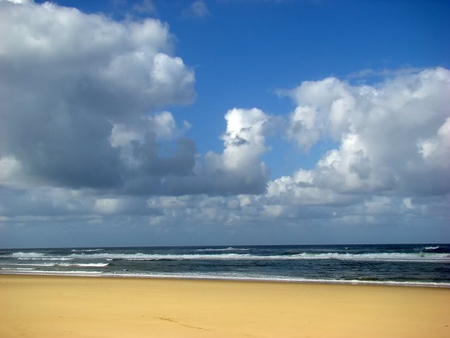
(56, 306)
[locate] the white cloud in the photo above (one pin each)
(65, 95)
(244, 143)
(390, 135)
(146, 6)
(162, 126)
(18, 1)
(84, 135)
(244, 139)
(82, 113)
(364, 180)
(408, 203)
(122, 206)
(197, 9)
(10, 170)
(436, 150)
(322, 110)
(384, 73)
(107, 205)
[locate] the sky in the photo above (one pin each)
(224, 122)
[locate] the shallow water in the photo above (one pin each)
(418, 264)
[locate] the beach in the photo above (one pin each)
(56, 306)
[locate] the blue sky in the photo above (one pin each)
(224, 122)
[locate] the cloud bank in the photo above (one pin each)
(86, 135)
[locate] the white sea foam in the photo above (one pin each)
(27, 254)
(203, 255)
(86, 250)
(69, 273)
(141, 256)
(388, 257)
(38, 256)
(86, 265)
(46, 258)
(222, 249)
(27, 264)
(391, 257)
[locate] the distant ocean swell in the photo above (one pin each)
(425, 265)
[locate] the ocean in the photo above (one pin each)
(412, 264)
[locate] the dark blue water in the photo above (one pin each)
(418, 264)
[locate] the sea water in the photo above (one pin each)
(412, 264)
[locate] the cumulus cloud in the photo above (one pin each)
(393, 137)
(391, 154)
(43, 202)
(82, 98)
(244, 142)
(122, 206)
(68, 78)
(238, 169)
(390, 163)
(85, 135)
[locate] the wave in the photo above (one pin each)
(432, 254)
(69, 273)
(156, 257)
(46, 258)
(86, 250)
(390, 257)
(27, 264)
(222, 249)
(383, 257)
(27, 254)
(86, 265)
(431, 247)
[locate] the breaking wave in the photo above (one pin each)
(222, 249)
(401, 257)
(27, 255)
(87, 250)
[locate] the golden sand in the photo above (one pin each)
(43, 306)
